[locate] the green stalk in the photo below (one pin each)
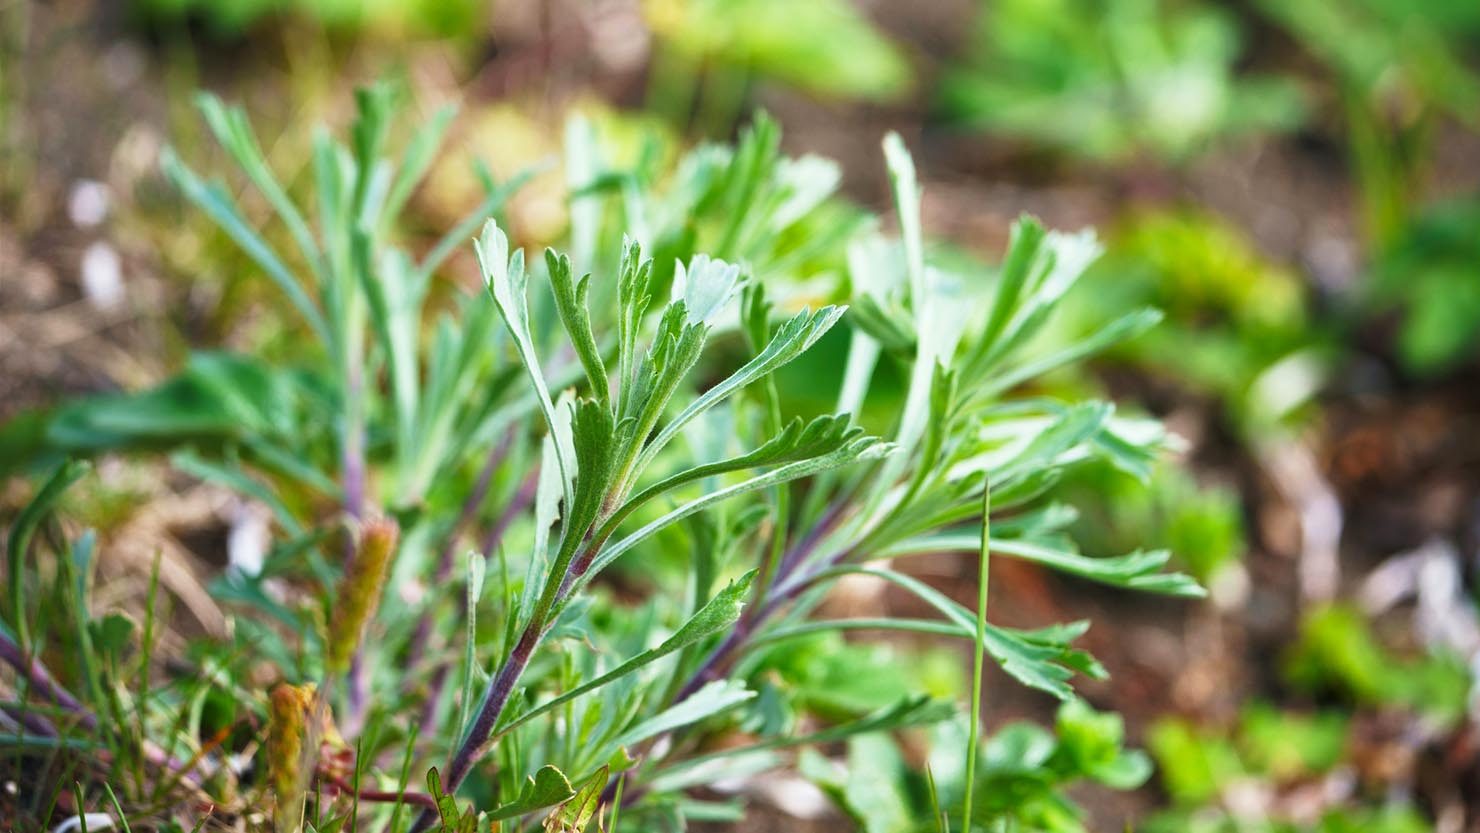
(979, 655)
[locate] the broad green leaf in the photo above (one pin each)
(593, 436)
(454, 820)
(575, 815)
(546, 788)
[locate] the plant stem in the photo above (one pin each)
(419, 799)
(783, 590)
(31, 721)
(353, 475)
(804, 548)
(44, 684)
(979, 654)
(494, 701)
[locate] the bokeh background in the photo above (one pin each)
(1297, 184)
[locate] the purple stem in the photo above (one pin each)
(353, 470)
(758, 614)
(809, 542)
(31, 721)
(43, 683)
(488, 714)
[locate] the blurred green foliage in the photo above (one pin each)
(1233, 315)
(1338, 652)
(1340, 660)
(707, 53)
(1398, 67)
(1110, 80)
(1203, 526)
(1268, 749)
(1430, 274)
(449, 18)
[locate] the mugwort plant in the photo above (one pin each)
(558, 554)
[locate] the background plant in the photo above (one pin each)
(1108, 81)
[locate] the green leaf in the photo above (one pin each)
(1023, 247)
(1041, 660)
(233, 477)
(862, 448)
(791, 339)
(570, 302)
(417, 159)
(889, 623)
(906, 190)
(373, 105)
(477, 569)
(1121, 329)
(213, 199)
(632, 300)
(707, 286)
(19, 539)
(454, 820)
(234, 132)
(909, 712)
(575, 815)
(111, 634)
(796, 442)
(712, 699)
(1140, 570)
(1090, 744)
(1074, 426)
(593, 436)
(546, 788)
(507, 281)
(716, 615)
